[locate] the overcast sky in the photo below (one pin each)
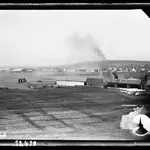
(37, 37)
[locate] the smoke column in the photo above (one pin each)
(82, 49)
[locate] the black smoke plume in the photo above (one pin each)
(85, 49)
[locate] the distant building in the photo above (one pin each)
(133, 70)
(27, 70)
(114, 69)
(94, 82)
(16, 70)
(82, 70)
(71, 70)
(70, 83)
(91, 70)
(96, 70)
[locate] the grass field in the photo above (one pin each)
(87, 113)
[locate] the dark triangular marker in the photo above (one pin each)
(141, 129)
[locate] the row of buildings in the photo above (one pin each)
(15, 70)
(70, 70)
(113, 68)
(50, 69)
(130, 68)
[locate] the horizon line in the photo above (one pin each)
(28, 66)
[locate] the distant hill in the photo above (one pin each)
(96, 64)
(87, 64)
(128, 62)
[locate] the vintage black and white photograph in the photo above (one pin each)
(74, 75)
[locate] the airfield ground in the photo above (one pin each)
(63, 113)
(70, 113)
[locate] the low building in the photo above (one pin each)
(82, 70)
(96, 70)
(94, 81)
(70, 83)
(16, 70)
(91, 70)
(148, 85)
(30, 70)
(80, 82)
(27, 70)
